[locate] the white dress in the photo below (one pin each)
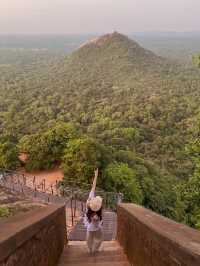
(92, 226)
(94, 230)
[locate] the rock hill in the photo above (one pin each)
(112, 57)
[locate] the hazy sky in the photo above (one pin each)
(98, 16)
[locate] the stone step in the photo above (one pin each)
(89, 259)
(120, 263)
(76, 254)
(104, 244)
(84, 252)
(73, 255)
(83, 248)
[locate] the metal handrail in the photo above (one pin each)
(74, 197)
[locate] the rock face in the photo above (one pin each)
(15, 203)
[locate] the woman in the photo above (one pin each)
(93, 219)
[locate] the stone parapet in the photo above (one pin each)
(153, 240)
(33, 238)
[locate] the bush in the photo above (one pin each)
(4, 212)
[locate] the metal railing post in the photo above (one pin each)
(34, 181)
(44, 181)
(72, 211)
(74, 205)
(35, 192)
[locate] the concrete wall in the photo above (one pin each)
(35, 238)
(152, 240)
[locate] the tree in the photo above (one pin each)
(118, 177)
(196, 60)
(160, 196)
(190, 195)
(9, 157)
(81, 157)
(45, 149)
(190, 189)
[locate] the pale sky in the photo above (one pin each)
(98, 16)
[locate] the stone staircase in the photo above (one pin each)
(78, 233)
(76, 254)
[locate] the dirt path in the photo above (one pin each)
(49, 175)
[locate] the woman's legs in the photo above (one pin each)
(90, 240)
(94, 240)
(98, 239)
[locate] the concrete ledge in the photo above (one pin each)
(25, 236)
(153, 240)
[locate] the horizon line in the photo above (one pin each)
(101, 33)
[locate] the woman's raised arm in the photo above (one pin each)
(92, 192)
(96, 172)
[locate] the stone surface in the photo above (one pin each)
(152, 240)
(16, 202)
(35, 238)
(76, 254)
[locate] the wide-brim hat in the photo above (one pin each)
(95, 203)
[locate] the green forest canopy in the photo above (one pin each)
(114, 105)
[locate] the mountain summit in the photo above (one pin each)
(119, 45)
(113, 57)
(110, 37)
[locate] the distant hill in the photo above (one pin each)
(113, 57)
(115, 50)
(107, 63)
